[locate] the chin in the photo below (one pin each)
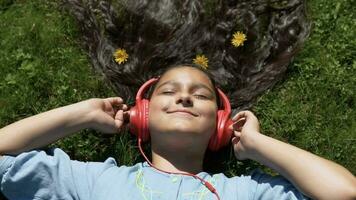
(183, 127)
(178, 127)
(181, 131)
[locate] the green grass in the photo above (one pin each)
(314, 107)
(42, 67)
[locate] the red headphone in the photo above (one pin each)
(139, 118)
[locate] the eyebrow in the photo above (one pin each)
(195, 85)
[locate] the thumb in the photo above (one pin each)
(119, 118)
(235, 140)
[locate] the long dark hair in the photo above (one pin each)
(161, 33)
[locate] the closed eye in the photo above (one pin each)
(199, 96)
(168, 92)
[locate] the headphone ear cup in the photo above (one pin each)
(139, 113)
(222, 134)
(214, 140)
(134, 120)
(139, 120)
(145, 133)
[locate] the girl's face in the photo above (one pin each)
(183, 108)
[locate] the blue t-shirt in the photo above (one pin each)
(53, 176)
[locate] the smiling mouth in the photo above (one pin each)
(183, 113)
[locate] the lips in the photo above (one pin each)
(183, 111)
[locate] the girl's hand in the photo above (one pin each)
(245, 129)
(108, 115)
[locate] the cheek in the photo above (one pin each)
(157, 106)
(209, 112)
(208, 121)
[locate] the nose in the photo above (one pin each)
(184, 99)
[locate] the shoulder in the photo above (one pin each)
(50, 161)
(41, 170)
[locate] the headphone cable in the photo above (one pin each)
(205, 183)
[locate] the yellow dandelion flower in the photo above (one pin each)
(120, 55)
(201, 60)
(238, 39)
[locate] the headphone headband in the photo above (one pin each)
(225, 101)
(144, 88)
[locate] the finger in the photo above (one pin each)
(237, 151)
(239, 115)
(243, 114)
(235, 140)
(119, 115)
(115, 100)
(108, 125)
(119, 119)
(237, 126)
(123, 107)
(126, 116)
(122, 118)
(237, 133)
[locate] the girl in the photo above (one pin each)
(181, 119)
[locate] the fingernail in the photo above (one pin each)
(234, 140)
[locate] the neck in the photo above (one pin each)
(182, 162)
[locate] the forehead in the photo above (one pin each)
(186, 75)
